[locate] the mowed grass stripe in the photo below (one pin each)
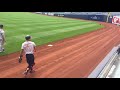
(15, 24)
(47, 33)
(42, 18)
(58, 29)
(44, 29)
(45, 22)
(29, 20)
(10, 16)
(40, 23)
(53, 24)
(53, 32)
(50, 38)
(58, 36)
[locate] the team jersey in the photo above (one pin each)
(28, 47)
(1, 33)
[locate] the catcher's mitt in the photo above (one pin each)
(20, 59)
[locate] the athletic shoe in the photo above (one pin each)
(26, 71)
(32, 71)
(3, 50)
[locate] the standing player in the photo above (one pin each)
(29, 48)
(2, 38)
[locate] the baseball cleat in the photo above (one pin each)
(26, 71)
(32, 71)
(3, 50)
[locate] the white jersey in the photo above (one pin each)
(1, 33)
(28, 47)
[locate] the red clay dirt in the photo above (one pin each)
(74, 57)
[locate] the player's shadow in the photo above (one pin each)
(31, 75)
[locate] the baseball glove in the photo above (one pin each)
(20, 59)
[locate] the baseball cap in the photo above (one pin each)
(27, 37)
(1, 26)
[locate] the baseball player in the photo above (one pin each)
(2, 38)
(28, 47)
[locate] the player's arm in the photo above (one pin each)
(21, 55)
(34, 47)
(21, 52)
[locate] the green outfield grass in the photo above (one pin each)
(43, 29)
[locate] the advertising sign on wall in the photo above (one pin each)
(116, 20)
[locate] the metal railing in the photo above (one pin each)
(105, 65)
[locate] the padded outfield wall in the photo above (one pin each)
(102, 18)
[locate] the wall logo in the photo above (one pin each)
(95, 17)
(116, 20)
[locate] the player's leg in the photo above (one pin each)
(29, 68)
(0, 45)
(32, 70)
(26, 71)
(3, 49)
(32, 64)
(28, 61)
(3, 46)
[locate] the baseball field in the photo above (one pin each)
(78, 45)
(43, 29)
